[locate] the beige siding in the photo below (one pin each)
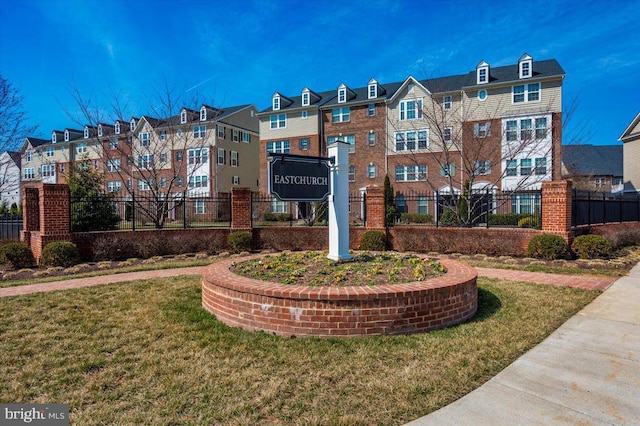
(499, 101)
(631, 159)
(296, 125)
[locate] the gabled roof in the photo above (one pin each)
(593, 160)
(15, 156)
(34, 142)
(632, 131)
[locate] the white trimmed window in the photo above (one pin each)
(411, 173)
(541, 166)
(199, 206)
(222, 156)
(411, 140)
(372, 171)
(145, 139)
(28, 156)
(522, 129)
(234, 158)
(352, 173)
(278, 206)
(304, 115)
(276, 103)
(113, 143)
(81, 148)
(447, 170)
(236, 180)
(114, 186)
(99, 130)
(221, 132)
(199, 132)
(446, 134)
(143, 185)
(66, 136)
(145, 161)
(246, 137)
(48, 170)
(524, 93)
(198, 181)
(350, 139)
(541, 128)
(371, 139)
(525, 69)
(114, 164)
(304, 144)
(446, 102)
(305, 98)
(29, 173)
(278, 121)
(373, 91)
(342, 95)
(86, 132)
(341, 115)
(203, 114)
(411, 109)
(482, 168)
(132, 124)
(51, 151)
(482, 130)
(279, 147)
(525, 167)
(235, 135)
(117, 128)
(198, 156)
(183, 117)
(512, 168)
(371, 110)
(54, 137)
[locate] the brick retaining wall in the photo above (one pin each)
(297, 311)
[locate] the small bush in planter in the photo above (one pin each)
(374, 241)
(19, 255)
(239, 241)
(591, 246)
(60, 253)
(449, 218)
(548, 247)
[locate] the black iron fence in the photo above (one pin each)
(136, 212)
(10, 227)
(266, 210)
(478, 209)
(604, 207)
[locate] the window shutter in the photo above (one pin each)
(452, 169)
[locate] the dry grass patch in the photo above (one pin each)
(145, 352)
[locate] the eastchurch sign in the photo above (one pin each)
(298, 178)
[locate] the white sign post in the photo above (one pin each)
(339, 202)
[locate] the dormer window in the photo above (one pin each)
(372, 89)
(524, 66)
(183, 117)
(66, 136)
(132, 124)
(482, 73)
(86, 132)
(203, 114)
(276, 103)
(53, 137)
(99, 130)
(305, 98)
(342, 95)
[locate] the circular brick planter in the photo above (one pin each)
(297, 311)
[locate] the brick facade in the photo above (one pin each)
(556, 208)
(241, 209)
(297, 311)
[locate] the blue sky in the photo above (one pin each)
(242, 51)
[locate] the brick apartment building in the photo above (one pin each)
(199, 153)
(493, 129)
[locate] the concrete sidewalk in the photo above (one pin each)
(587, 372)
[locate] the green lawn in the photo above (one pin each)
(145, 352)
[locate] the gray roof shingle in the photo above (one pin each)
(593, 160)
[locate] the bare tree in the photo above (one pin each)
(14, 128)
(478, 149)
(158, 160)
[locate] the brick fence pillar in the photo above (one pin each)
(556, 208)
(375, 208)
(45, 216)
(241, 209)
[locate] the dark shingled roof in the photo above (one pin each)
(504, 74)
(593, 160)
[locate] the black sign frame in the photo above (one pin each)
(300, 166)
